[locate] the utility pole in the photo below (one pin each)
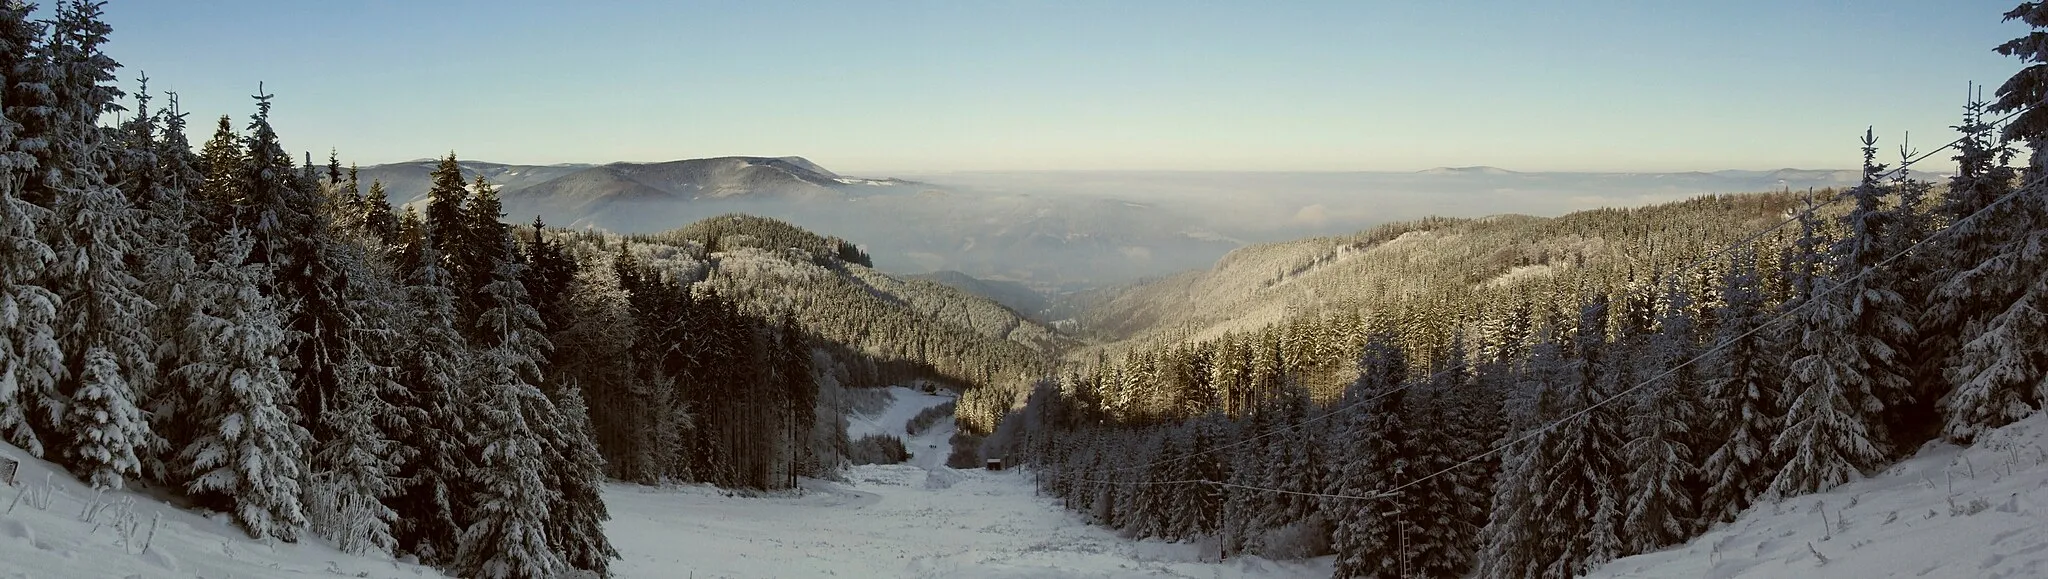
(1400, 537)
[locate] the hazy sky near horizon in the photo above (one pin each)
(927, 86)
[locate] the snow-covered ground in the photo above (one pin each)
(908, 520)
(45, 533)
(1949, 512)
(1980, 512)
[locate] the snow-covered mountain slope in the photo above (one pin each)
(907, 520)
(53, 526)
(1949, 512)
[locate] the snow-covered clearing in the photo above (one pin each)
(894, 521)
(45, 533)
(1949, 512)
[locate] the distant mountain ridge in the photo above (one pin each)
(1050, 231)
(579, 186)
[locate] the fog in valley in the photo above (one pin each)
(1063, 231)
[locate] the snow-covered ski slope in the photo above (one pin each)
(46, 535)
(894, 521)
(1949, 512)
(928, 449)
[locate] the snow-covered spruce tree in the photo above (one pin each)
(325, 280)
(1373, 460)
(31, 359)
(1294, 465)
(103, 322)
(1842, 375)
(1194, 511)
(444, 214)
(1165, 506)
(433, 366)
(507, 536)
(102, 318)
(1663, 433)
(1241, 506)
(107, 426)
(561, 419)
(269, 203)
(1994, 297)
(1743, 397)
(285, 215)
(1964, 300)
(156, 164)
(249, 453)
(1999, 371)
(344, 198)
(1910, 417)
(1444, 528)
(1582, 499)
(1512, 543)
(508, 533)
(354, 469)
(576, 523)
(1147, 503)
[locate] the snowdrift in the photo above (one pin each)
(51, 525)
(1977, 512)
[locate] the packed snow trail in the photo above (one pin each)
(1948, 512)
(895, 521)
(45, 536)
(928, 449)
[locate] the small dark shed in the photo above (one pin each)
(995, 464)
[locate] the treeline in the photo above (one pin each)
(1628, 419)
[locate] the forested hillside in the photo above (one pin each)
(827, 285)
(1522, 397)
(1302, 307)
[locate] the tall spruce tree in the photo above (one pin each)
(31, 360)
(1664, 433)
(249, 453)
(103, 315)
(1993, 296)
(1513, 544)
(1373, 460)
(1743, 396)
(1843, 371)
(432, 365)
(1585, 470)
(508, 533)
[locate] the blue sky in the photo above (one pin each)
(923, 86)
